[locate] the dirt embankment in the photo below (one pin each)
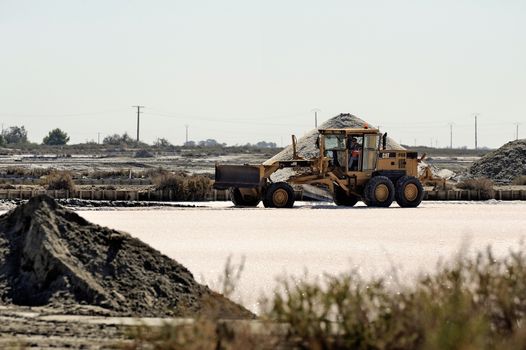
(51, 256)
(504, 164)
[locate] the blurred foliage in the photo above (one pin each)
(15, 135)
(519, 180)
(476, 302)
(185, 187)
(56, 137)
(59, 180)
(484, 185)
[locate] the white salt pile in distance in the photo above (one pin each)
(50, 256)
(306, 145)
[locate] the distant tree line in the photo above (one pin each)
(13, 135)
(56, 137)
(211, 143)
(17, 136)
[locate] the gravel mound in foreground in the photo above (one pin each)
(50, 256)
(504, 164)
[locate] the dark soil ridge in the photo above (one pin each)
(51, 256)
(504, 164)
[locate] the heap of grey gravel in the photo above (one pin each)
(502, 165)
(306, 146)
(50, 256)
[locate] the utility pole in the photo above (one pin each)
(316, 110)
(517, 131)
(451, 135)
(138, 119)
(186, 126)
(476, 132)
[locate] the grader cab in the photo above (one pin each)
(353, 165)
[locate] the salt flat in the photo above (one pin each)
(318, 238)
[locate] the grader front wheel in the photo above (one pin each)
(279, 195)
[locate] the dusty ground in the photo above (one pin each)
(42, 328)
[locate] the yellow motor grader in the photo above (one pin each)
(353, 164)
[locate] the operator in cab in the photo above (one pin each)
(354, 154)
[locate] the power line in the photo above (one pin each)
(138, 119)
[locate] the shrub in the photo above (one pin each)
(154, 172)
(15, 135)
(107, 173)
(162, 143)
(59, 180)
(195, 187)
(520, 180)
(201, 334)
(5, 186)
(56, 137)
(143, 154)
(484, 185)
(118, 140)
(27, 172)
(472, 303)
(476, 302)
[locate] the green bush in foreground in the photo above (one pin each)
(472, 303)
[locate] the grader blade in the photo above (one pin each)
(241, 176)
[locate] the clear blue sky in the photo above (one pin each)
(242, 71)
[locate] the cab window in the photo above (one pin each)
(334, 142)
(370, 152)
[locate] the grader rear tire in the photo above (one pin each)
(379, 192)
(409, 192)
(279, 195)
(243, 201)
